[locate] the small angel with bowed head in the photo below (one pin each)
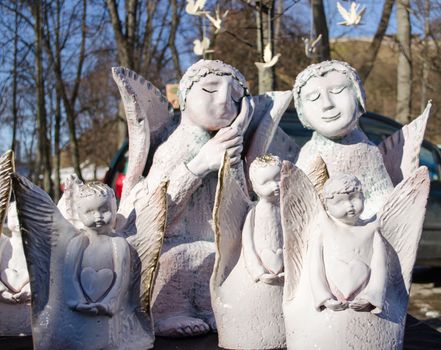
(347, 280)
(330, 99)
(248, 275)
(218, 115)
(88, 292)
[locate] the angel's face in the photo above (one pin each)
(266, 182)
(213, 102)
(329, 105)
(346, 207)
(96, 212)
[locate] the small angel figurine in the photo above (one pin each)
(86, 284)
(217, 115)
(247, 280)
(330, 98)
(15, 291)
(348, 256)
(347, 280)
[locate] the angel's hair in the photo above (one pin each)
(262, 162)
(341, 184)
(320, 70)
(97, 189)
(200, 70)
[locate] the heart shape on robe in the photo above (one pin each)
(272, 261)
(347, 277)
(15, 280)
(96, 284)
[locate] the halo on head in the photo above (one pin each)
(321, 69)
(340, 183)
(200, 70)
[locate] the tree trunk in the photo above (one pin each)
(404, 69)
(44, 165)
(425, 67)
(265, 36)
(374, 47)
(172, 38)
(321, 27)
(14, 82)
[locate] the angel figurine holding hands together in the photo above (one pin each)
(347, 280)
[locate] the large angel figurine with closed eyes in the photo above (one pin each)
(91, 287)
(347, 280)
(217, 115)
(330, 99)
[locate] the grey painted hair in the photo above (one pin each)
(200, 70)
(341, 184)
(319, 70)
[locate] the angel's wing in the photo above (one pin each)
(268, 110)
(46, 234)
(401, 219)
(301, 208)
(7, 167)
(148, 120)
(66, 203)
(318, 174)
(403, 148)
(150, 227)
(230, 209)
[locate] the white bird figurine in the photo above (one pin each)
(217, 22)
(353, 16)
(311, 45)
(268, 59)
(201, 47)
(195, 7)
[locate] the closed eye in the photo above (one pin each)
(313, 96)
(209, 91)
(337, 89)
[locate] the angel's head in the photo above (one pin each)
(13, 224)
(96, 206)
(210, 93)
(344, 198)
(265, 176)
(329, 98)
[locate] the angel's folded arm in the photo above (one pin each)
(252, 260)
(375, 290)
(317, 273)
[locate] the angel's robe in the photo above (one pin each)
(355, 155)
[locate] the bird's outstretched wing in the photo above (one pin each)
(268, 110)
(401, 220)
(66, 203)
(151, 218)
(148, 121)
(46, 234)
(401, 150)
(230, 209)
(301, 209)
(7, 167)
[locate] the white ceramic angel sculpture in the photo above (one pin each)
(330, 98)
(15, 291)
(347, 280)
(87, 284)
(217, 115)
(247, 281)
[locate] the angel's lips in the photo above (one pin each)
(99, 223)
(332, 117)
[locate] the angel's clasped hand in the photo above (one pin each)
(94, 309)
(335, 305)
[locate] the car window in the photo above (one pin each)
(429, 159)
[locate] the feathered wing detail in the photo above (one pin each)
(44, 230)
(148, 118)
(230, 209)
(403, 148)
(268, 110)
(7, 167)
(301, 209)
(66, 203)
(151, 218)
(402, 217)
(318, 174)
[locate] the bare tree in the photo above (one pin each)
(404, 68)
(321, 27)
